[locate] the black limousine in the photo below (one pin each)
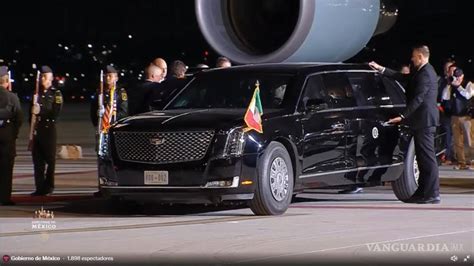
(324, 125)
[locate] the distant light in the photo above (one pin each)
(1, 61)
(82, 75)
(122, 74)
(66, 48)
(33, 66)
(92, 97)
(104, 52)
(75, 79)
(31, 75)
(82, 97)
(73, 97)
(67, 74)
(89, 45)
(14, 61)
(60, 45)
(470, 60)
(130, 36)
(17, 51)
(61, 81)
(26, 79)
(206, 53)
(114, 46)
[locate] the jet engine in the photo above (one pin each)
(264, 31)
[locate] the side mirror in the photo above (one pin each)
(314, 105)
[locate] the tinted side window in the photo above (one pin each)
(338, 91)
(313, 89)
(394, 90)
(371, 90)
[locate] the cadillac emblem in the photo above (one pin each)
(157, 141)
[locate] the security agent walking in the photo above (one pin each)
(115, 101)
(422, 116)
(10, 122)
(47, 110)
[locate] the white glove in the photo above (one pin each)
(376, 66)
(36, 109)
(101, 111)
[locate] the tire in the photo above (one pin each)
(405, 186)
(266, 202)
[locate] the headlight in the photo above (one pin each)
(234, 145)
(104, 145)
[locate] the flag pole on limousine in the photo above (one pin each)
(253, 115)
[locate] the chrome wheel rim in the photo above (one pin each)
(416, 170)
(279, 179)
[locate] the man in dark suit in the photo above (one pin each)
(422, 116)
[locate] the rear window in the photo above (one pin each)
(233, 90)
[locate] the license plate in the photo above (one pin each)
(156, 177)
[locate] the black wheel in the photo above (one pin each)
(405, 186)
(275, 182)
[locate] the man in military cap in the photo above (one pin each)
(10, 122)
(115, 101)
(115, 104)
(47, 109)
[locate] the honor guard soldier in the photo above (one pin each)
(115, 102)
(46, 110)
(10, 122)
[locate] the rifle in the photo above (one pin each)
(33, 116)
(100, 102)
(100, 105)
(10, 81)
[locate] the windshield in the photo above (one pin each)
(233, 90)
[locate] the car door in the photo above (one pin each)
(327, 104)
(372, 144)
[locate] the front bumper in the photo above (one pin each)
(188, 182)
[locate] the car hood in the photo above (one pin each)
(183, 119)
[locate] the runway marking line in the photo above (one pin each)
(56, 174)
(139, 226)
(354, 246)
(381, 208)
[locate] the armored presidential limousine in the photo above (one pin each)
(323, 125)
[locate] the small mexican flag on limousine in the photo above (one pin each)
(253, 116)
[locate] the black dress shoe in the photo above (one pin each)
(38, 193)
(7, 203)
(430, 200)
(414, 199)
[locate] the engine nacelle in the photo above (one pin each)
(261, 31)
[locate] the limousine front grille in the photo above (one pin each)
(162, 147)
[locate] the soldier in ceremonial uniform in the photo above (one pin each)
(115, 101)
(47, 109)
(10, 122)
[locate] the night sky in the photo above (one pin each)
(58, 33)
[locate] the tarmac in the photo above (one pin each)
(320, 227)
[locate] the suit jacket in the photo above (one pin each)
(421, 92)
(141, 95)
